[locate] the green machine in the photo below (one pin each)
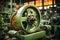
(27, 24)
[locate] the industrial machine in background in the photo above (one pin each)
(27, 24)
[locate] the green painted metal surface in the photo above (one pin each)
(34, 36)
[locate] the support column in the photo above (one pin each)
(43, 6)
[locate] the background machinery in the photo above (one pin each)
(27, 24)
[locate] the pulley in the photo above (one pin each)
(27, 19)
(13, 22)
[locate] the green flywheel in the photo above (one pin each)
(28, 18)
